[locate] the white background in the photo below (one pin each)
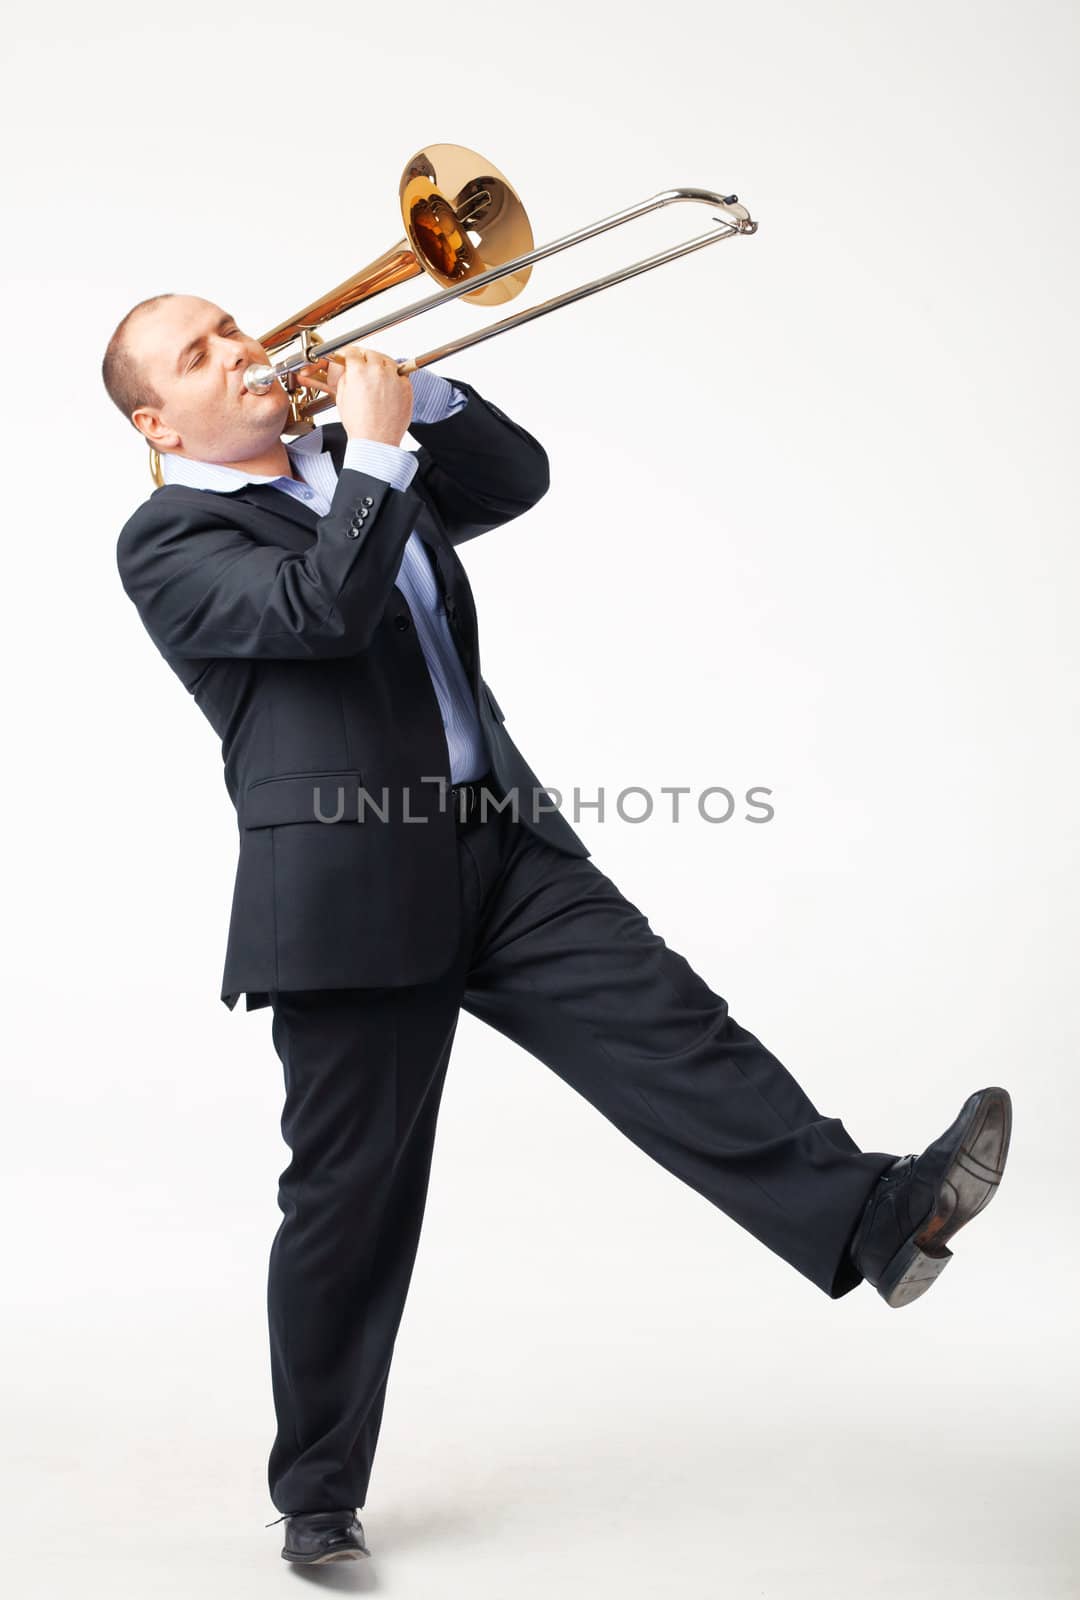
(812, 526)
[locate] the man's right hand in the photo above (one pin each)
(373, 401)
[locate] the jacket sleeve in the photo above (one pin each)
(478, 468)
(204, 589)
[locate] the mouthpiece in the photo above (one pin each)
(259, 379)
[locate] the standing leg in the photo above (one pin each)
(364, 1072)
(565, 966)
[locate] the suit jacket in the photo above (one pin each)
(299, 648)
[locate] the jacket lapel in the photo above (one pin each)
(295, 523)
(439, 547)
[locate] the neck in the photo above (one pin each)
(273, 462)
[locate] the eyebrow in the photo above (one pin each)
(193, 344)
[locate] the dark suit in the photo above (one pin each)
(369, 939)
(311, 673)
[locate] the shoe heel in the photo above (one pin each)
(911, 1272)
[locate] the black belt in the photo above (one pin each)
(464, 801)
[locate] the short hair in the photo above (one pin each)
(121, 374)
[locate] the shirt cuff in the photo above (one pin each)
(381, 460)
(434, 398)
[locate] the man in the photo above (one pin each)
(398, 860)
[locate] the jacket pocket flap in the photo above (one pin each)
(301, 797)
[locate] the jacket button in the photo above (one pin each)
(401, 622)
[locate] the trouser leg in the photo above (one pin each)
(568, 968)
(364, 1072)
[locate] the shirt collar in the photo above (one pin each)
(211, 475)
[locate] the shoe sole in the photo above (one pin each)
(970, 1182)
(327, 1555)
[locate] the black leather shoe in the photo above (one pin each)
(316, 1536)
(919, 1202)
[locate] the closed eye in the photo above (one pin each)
(194, 362)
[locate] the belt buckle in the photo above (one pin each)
(461, 802)
(465, 811)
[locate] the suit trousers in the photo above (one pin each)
(555, 958)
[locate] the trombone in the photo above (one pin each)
(466, 227)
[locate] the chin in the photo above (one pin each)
(264, 410)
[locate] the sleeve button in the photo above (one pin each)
(352, 533)
(368, 501)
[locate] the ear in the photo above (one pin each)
(154, 430)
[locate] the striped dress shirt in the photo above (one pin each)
(434, 399)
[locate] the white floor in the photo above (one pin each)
(601, 1383)
(822, 1455)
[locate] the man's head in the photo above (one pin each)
(175, 368)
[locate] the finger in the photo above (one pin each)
(314, 378)
(366, 353)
